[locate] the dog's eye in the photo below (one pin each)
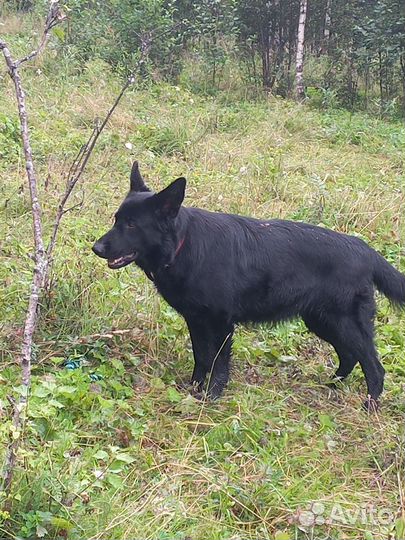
(131, 224)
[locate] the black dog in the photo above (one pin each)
(218, 269)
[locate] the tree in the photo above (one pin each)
(299, 63)
(382, 36)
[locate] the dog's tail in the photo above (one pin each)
(389, 281)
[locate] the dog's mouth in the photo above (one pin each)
(120, 262)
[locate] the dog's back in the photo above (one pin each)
(254, 270)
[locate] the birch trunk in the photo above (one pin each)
(299, 62)
(326, 30)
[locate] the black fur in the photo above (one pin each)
(218, 270)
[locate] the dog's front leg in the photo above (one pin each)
(200, 342)
(212, 341)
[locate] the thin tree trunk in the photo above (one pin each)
(254, 64)
(350, 81)
(366, 85)
(380, 77)
(41, 264)
(265, 54)
(326, 28)
(291, 42)
(402, 62)
(299, 62)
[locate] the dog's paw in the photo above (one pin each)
(371, 405)
(195, 389)
(199, 395)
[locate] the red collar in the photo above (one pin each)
(180, 245)
(178, 249)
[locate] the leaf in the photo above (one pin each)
(287, 358)
(41, 531)
(187, 405)
(56, 403)
(118, 365)
(22, 390)
(125, 458)
(40, 391)
(115, 481)
(157, 383)
(101, 454)
(61, 523)
(173, 395)
(281, 535)
(44, 428)
(59, 33)
(400, 527)
(106, 404)
(65, 389)
(56, 359)
(116, 467)
(326, 422)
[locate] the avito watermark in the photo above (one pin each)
(364, 514)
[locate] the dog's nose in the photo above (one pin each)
(99, 248)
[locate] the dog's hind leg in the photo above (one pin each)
(369, 361)
(325, 329)
(359, 346)
(352, 337)
(212, 342)
(347, 362)
(357, 342)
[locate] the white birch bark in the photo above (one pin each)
(299, 62)
(326, 30)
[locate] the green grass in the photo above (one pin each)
(130, 455)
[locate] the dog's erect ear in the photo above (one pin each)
(137, 183)
(168, 201)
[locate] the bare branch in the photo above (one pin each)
(55, 16)
(41, 260)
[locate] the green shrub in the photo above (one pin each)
(10, 139)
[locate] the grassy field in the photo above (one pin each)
(129, 455)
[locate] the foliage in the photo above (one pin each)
(382, 35)
(354, 50)
(113, 31)
(9, 137)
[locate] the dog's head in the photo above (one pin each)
(144, 230)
